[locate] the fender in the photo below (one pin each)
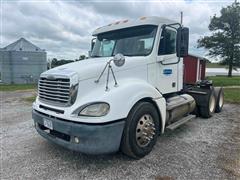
(132, 91)
(122, 98)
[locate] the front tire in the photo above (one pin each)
(141, 130)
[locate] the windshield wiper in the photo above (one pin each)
(128, 55)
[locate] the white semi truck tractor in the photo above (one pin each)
(128, 93)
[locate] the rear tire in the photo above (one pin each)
(208, 110)
(219, 94)
(141, 130)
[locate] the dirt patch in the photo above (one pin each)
(163, 178)
(229, 156)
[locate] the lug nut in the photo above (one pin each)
(147, 138)
(144, 134)
(76, 140)
(152, 133)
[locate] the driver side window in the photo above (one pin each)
(107, 47)
(167, 42)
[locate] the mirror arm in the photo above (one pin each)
(172, 25)
(171, 63)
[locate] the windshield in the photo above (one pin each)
(134, 41)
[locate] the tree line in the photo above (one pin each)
(55, 62)
(224, 42)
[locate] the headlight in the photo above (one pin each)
(95, 109)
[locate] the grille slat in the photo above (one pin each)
(54, 85)
(54, 90)
(54, 82)
(54, 95)
(57, 89)
(54, 99)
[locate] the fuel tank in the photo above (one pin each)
(179, 106)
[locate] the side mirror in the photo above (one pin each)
(93, 43)
(182, 41)
(119, 60)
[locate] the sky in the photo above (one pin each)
(64, 28)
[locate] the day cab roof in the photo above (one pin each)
(153, 20)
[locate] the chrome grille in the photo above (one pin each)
(54, 90)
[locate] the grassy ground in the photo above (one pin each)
(15, 87)
(225, 81)
(215, 65)
(30, 99)
(232, 95)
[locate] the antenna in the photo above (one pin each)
(181, 21)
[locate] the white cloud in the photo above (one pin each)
(64, 28)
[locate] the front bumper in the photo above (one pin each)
(93, 139)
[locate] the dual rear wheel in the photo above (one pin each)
(214, 103)
(219, 94)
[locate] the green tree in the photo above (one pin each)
(53, 63)
(82, 57)
(225, 39)
(56, 62)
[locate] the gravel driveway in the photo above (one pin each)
(200, 149)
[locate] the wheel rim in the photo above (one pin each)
(212, 103)
(145, 130)
(220, 104)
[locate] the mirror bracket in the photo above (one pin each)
(119, 61)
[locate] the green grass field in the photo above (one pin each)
(16, 87)
(215, 65)
(225, 81)
(232, 95)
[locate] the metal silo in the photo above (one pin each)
(22, 62)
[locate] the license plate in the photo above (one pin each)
(48, 124)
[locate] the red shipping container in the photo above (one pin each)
(194, 69)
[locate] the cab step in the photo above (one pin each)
(180, 122)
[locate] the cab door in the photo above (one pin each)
(167, 62)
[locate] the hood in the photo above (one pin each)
(91, 68)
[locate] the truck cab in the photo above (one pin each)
(126, 94)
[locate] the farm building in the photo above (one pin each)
(194, 68)
(21, 62)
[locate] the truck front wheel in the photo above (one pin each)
(141, 130)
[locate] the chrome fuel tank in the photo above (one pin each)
(179, 106)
